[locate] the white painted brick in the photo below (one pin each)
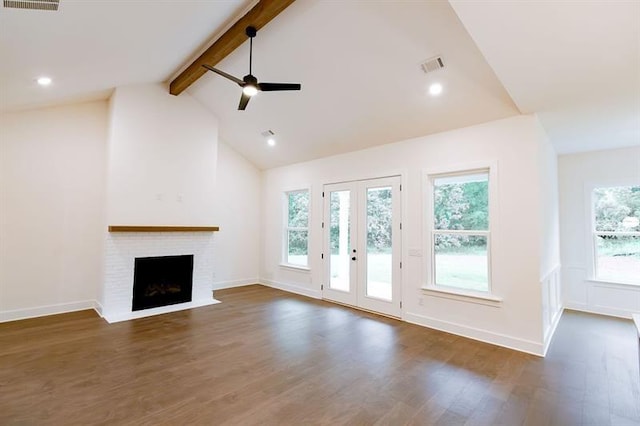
(122, 249)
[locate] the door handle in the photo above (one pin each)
(353, 258)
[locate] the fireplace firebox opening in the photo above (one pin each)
(162, 281)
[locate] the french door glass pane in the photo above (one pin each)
(461, 261)
(618, 258)
(339, 239)
(298, 247)
(379, 233)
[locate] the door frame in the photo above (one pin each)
(359, 284)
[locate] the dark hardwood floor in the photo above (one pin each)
(268, 357)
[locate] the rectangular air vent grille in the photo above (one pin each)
(433, 64)
(32, 4)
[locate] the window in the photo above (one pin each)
(297, 228)
(616, 234)
(460, 236)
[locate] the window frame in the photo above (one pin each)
(286, 229)
(593, 233)
(457, 293)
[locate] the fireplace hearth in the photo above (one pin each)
(162, 281)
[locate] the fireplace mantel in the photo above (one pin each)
(138, 228)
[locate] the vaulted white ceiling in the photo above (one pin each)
(576, 64)
(362, 84)
(89, 47)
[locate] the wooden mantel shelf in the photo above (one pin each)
(124, 228)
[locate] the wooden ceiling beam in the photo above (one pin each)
(259, 16)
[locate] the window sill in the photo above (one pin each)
(295, 267)
(606, 283)
(463, 296)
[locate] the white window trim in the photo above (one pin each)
(295, 267)
(611, 284)
(429, 287)
(462, 295)
(591, 233)
(285, 234)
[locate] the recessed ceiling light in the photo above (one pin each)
(270, 137)
(435, 89)
(44, 81)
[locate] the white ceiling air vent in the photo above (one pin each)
(32, 4)
(433, 64)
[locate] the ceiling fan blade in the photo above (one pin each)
(244, 100)
(224, 74)
(275, 87)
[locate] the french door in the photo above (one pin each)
(362, 244)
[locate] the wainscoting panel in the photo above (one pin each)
(583, 294)
(551, 303)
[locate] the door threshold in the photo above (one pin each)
(362, 309)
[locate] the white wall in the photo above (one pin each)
(52, 208)
(161, 170)
(578, 173)
(162, 158)
(550, 268)
(53, 193)
(514, 144)
(237, 212)
(166, 167)
(549, 205)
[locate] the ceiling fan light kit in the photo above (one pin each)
(249, 83)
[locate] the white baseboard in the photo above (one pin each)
(40, 311)
(599, 310)
(510, 342)
(234, 283)
(97, 306)
(126, 316)
(548, 335)
(292, 288)
(63, 308)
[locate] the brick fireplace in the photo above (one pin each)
(124, 248)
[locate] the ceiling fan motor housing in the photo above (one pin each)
(250, 79)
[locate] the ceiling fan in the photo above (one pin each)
(249, 83)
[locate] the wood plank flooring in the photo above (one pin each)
(264, 357)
